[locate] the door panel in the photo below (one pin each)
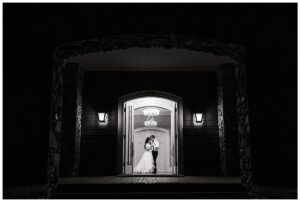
(128, 139)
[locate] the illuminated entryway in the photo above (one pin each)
(146, 116)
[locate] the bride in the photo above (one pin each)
(146, 164)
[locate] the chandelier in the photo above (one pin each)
(150, 112)
(150, 122)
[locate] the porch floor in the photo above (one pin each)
(150, 187)
(150, 179)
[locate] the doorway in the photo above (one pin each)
(146, 116)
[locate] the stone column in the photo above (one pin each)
(71, 120)
(55, 125)
(228, 120)
(244, 127)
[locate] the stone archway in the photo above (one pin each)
(115, 42)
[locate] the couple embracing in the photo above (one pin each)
(147, 164)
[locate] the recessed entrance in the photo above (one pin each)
(190, 43)
(143, 117)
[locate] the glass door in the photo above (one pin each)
(144, 117)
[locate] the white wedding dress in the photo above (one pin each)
(146, 164)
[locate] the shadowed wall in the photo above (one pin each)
(101, 91)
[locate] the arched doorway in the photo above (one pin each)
(135, 125)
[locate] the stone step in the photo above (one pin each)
(145, 191)
(153, 195)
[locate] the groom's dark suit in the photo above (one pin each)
(155, 154)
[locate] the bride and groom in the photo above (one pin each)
(147, 164)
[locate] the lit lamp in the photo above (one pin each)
(102, 117)
(199, 117)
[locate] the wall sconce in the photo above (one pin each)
(199, 117)
(102, 117)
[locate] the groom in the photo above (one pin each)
(155, 146)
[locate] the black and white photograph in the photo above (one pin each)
(149, 100)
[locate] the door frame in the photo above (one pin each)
(179, 124)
